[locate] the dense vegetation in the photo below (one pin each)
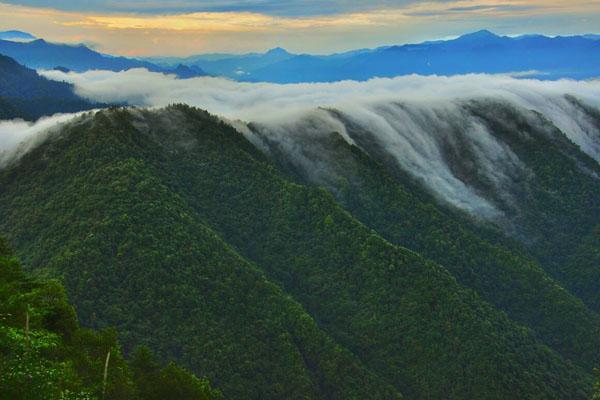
(499, 270)
(143, 261)
(24, 94)
(44, 354)
(596, 395)
(174, 228)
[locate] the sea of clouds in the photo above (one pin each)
(411, 117)
(271, 103)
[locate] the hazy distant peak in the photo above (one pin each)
(479, 35)
(16, 35)
(277, 51)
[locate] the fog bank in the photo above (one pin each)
(429, 126)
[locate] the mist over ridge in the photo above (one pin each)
(427, 124)
(17, 136)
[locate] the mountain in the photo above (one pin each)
(481, 52)
(16, 35)
(539, 56)
(542, 186)
(192, 297)
(536, 56)
(311, 263)
(238, 66)
(39, 54)
(185, 72)
(47, 355)
(242, 66)
(25, 94)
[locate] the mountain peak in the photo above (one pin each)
(482, 34)
(277, 51)
(16, 35)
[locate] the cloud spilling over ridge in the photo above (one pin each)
(423, 123)
(266, 102)
(17, 137)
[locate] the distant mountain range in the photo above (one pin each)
(40, 54)
(536, 56)
(542, 57)
(24, 94)
(235, 66)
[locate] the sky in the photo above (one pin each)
(186, 27)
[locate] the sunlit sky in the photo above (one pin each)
(185, 27)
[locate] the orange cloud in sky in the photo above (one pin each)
(141, 34)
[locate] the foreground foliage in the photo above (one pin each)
(44, 354)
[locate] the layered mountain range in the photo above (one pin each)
(40, 54)
(536, 56)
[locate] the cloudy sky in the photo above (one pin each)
(184, 27)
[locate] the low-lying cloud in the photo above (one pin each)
(267, 102)
(17, 137)
(420, 122)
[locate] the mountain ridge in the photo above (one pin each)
(429, 57)
(25, 94)
(152, 178)
(40, 54)
(557, 57)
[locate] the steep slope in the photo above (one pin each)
(581, 271)
(396, 319)
(133, 255)
(25, 94)
(137, 209)
(560, 207)
(262, 241)
(495, 159)
(391, 202)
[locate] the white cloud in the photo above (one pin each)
(417, 120)
(264, 102)
(17, 137)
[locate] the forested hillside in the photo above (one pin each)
(44, 354)
(174, 228)
(554, 207)
(24, 94)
